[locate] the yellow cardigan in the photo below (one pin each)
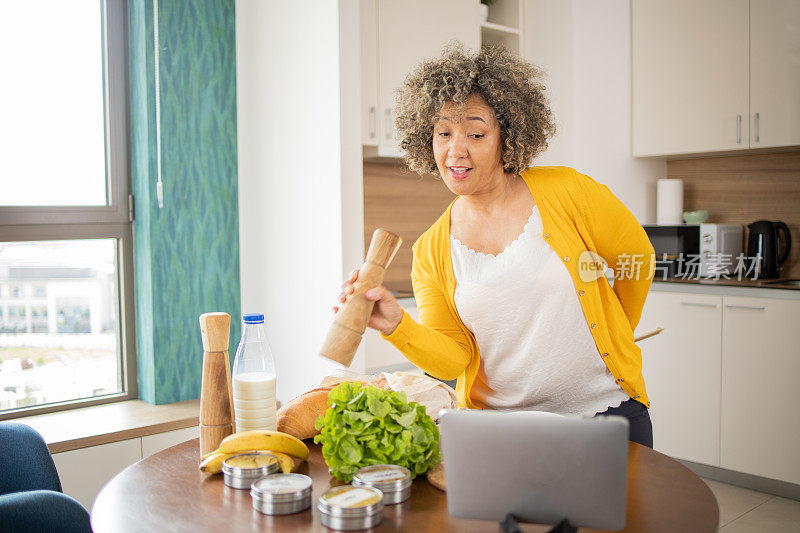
(577, 214)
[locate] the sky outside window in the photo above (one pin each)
(52, 147)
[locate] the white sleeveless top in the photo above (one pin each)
(537, 352)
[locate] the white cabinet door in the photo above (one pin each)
(84, 472)
(774, 72)
(681, 372)
(761, 387)
(690, 70)
(152, 444)
(368, 14)
(413, 30)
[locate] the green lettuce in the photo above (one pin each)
(370, 426)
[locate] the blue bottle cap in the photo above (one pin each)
(253, 318)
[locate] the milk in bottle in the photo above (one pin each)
(254, 403)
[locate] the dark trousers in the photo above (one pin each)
(30, 492)
(641, 429)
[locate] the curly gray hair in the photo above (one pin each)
(510, 85)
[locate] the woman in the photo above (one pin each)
(503, 304)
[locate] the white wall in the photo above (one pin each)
(301, 225)
(585, 48)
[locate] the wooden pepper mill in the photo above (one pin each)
(348, 326)
(216, 395)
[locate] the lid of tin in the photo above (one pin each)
(387, 478)
(351, 501)
(281, 487)
(250, 465)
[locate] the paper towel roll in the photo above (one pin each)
(669, 202)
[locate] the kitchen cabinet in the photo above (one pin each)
(83, 472)
(152, 444)
(690, 76)
(681, 368)
(368, 14)
(724, 380)
(774, 73)
(760, 393)
(715, 75)
(402, 35)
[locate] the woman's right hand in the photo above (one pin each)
(386, 314)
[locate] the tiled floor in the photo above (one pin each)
(747, 511)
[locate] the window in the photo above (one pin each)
(66, 287)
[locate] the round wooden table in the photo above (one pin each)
(166, 492)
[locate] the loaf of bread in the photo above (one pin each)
(297, 417)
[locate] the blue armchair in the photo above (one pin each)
(30, 491)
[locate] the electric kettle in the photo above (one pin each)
(762, 247)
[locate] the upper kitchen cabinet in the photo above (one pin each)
(395, 37)
(774, 73)
(690, 76)
(369, 72)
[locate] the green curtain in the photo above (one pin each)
(186, 254)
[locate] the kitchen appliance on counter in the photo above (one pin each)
(762, 247)
(695, 249)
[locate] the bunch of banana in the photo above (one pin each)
(283, 446)
(212, 462)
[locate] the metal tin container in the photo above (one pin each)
(240, 471)
(349, 508)
(392, 480)
(281, 494)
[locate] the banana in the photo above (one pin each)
(209, 454)
(264, 440)
(286, 461)
(212, 462)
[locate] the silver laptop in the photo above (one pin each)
(539, 467)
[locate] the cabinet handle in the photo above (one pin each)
(753, 307)
(738, 129)
(388, 123)
(698, 304)
(755, 127)
(373, 117)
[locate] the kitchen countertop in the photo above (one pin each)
(727, 287)
(733, 282)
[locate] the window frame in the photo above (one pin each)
(112, 221)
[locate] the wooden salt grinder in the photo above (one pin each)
(216, 395)
(348, 326)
